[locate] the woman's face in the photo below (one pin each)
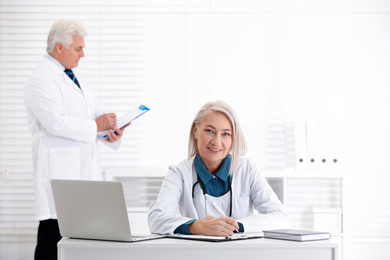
(214, 137)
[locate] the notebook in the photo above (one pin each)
(296, 235)
(93, 210)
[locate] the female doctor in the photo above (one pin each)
(216, 178)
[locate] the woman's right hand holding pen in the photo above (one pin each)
(212, 226)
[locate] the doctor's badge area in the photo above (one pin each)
(128, 118)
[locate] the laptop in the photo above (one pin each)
(93, 210)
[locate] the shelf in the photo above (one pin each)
(291, 173)
(129, 172)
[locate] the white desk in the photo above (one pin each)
(167, 248)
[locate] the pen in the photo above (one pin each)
(215, 206)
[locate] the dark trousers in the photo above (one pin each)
(48, 237)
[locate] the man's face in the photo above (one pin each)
(70, 57)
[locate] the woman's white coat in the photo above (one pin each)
(254, 203)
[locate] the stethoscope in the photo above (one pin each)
(200, 182)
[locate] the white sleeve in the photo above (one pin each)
(271, 212)
(98, 113)
(45, 103)
(163, 215)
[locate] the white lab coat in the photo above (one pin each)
(64, 132)
(250, 193)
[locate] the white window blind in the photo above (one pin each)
(274, 62)
(306, 194)
(136, 52)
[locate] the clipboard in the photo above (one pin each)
(127, 118)
(235, 237)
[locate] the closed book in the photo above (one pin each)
(296, 235)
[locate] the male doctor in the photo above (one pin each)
(64, 120)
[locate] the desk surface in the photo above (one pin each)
(168, 248)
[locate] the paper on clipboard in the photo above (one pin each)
(127, 118)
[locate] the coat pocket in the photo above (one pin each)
(242, 207)
(65, 163)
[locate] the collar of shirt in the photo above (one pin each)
(56, 62)
(206, 176)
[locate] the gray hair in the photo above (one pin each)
(239, 146)
(62, 32)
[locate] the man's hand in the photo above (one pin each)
(212, 226)
(115, 136)
(106, 122)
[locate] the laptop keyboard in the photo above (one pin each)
(139, 236)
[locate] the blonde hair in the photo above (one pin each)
(62, 32)
(239, 146)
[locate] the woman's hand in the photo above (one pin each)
(212, 226)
